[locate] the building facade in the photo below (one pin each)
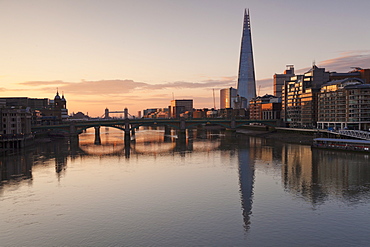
(280, 79)
(43, 110)
(179, 107)
(15, 121)
(267, 107)
(299, 98)
(56, 111)
(344, 104)
(228, 98)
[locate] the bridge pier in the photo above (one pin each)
(181, 134)
(181, 141)
(127, 139)
(97, 135)
(74, 143)
(167, 134)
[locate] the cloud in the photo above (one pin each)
(119, 87)
(265, 83)
(347, 61)
(344, 63)
(43, 83)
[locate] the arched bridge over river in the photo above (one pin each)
(74, 128)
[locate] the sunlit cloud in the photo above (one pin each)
(43, 83)
(347, 62)
(120, 87)
(344, 63)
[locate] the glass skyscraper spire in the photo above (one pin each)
(246, 78)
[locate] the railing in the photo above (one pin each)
(360, 134)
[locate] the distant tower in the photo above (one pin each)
(246, 79)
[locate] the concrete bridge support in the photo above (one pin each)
(181, 134)
(97, 135)
(74, 143)
(167, 134)
(232, 130)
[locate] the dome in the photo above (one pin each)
(57, 97)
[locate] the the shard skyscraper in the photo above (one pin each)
(246, 80)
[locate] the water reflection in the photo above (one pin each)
(16, 168)
(314, 175)
(321, 175)
(246, 179)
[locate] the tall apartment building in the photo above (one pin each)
(299, 97)
(344, 104)
(280, 79)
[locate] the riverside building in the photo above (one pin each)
(299, 98)
(280, 79)
(344, 104)
(265, 107)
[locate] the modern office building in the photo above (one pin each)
(246, 77)
(179, 107)
(280, 79)
(228, 98)
(299, 97)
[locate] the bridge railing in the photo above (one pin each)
(360, 134)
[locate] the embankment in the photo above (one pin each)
(281, 134)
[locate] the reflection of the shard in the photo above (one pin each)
(246, 178)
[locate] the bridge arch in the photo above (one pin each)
(80, 130)
(156, 124)
(216, 123)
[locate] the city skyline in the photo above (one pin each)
(140, 54)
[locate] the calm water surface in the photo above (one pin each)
(208, 190)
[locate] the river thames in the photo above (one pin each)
(211, 189)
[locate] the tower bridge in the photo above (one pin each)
(107, 112)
